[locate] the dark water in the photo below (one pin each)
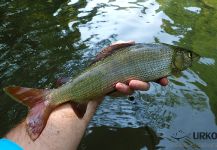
(41, 41)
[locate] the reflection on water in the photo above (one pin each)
(120, 138)
(42, 41)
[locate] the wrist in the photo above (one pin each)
(63, 125)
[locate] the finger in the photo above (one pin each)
(139, 85)
(163, 81)
(123, 88)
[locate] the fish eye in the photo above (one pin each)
(190, 54)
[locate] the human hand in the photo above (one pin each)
(137, 85)
(63, 124)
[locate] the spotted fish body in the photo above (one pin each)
(118, 63)
(146, 62)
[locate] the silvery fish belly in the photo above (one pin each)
(146, 62)
(116, 63)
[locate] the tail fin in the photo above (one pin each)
(39, 106)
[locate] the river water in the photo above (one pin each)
(42, 41)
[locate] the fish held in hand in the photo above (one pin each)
(117, 63)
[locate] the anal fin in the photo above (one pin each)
(79, 109)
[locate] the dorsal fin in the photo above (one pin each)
(111, 49)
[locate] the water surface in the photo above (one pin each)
(41, 41)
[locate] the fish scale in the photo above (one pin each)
(142, 61)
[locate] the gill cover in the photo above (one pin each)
(183, 59)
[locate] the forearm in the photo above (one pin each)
(64, 129)
(62, 123)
